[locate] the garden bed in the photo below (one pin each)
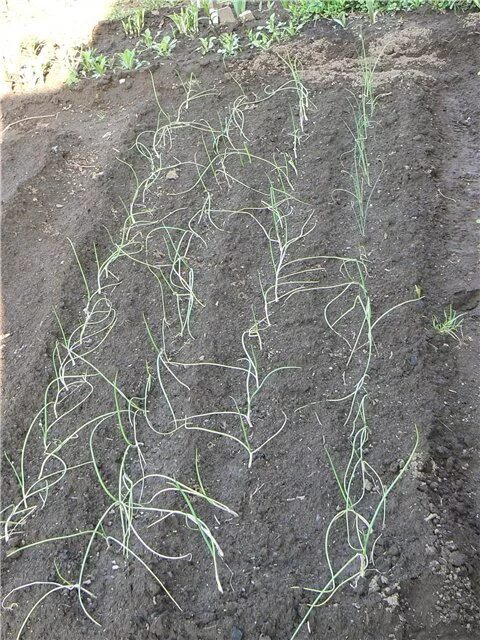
(138, 373)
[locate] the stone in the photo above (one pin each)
(457, 559)
(225, 16)
(246, 16)
(172, 174)
(236, 634)
(374, 587)
(393, 601)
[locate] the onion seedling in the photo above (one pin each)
(451, 324)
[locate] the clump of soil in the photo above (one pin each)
(62, 179)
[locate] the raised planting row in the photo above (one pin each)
(213, 27)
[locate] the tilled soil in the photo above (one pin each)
(62, 180)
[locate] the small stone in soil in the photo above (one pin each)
(225, 16)
(237, 634)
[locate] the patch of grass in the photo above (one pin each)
(451, 324)
(304, 11)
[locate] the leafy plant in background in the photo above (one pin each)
(229, 44)
(186, 21)
(289, 29)
(93, 64)
(206, 44)
(134, 23)
(302, 11)
(266, 35)
(259, 39)
(128, 59)
(371, 7)
(71, 77)
(239, 6)
(341, 19)
(147, 39)
(71, 62)
(165, 47)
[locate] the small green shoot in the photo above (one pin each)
(451, 324)
(147, 39)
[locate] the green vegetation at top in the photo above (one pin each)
(306, 10)
(284, 20)
(185, 21)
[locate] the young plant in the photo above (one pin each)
(206, 44)
(273, 27)
(239, 6)
(341, 19)
(147, 39)
(71, 68)
(371, 7)
(259, 39)
(363, 186)
(229, 44)
(302, 11)
(134, 23)
(165, 47)
(128, 59)
(288, 30)
(71, 77)
(451, 325)
(186, 21)
(92, 64)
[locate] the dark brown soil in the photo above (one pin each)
(62, 179)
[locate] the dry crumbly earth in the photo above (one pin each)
(61, 179)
